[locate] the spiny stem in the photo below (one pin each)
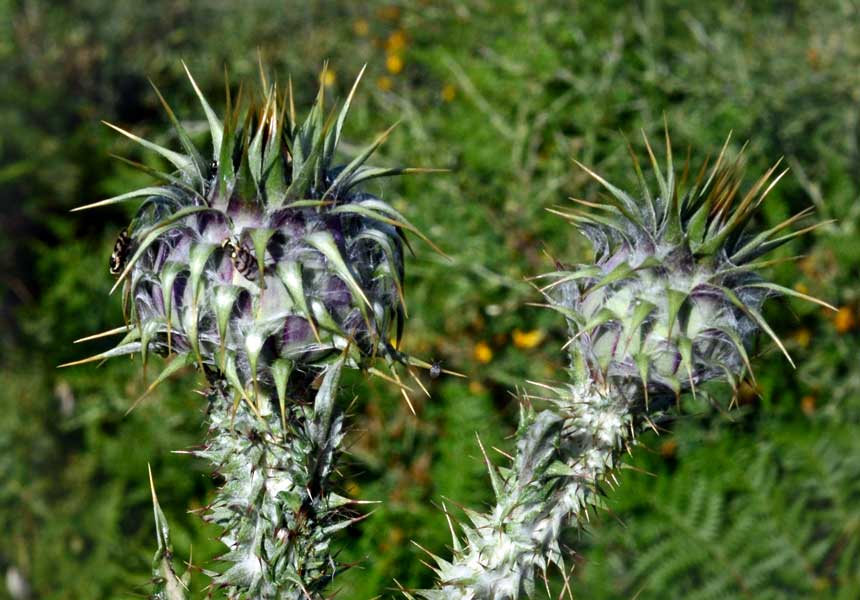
(275, 506)
(563, 454)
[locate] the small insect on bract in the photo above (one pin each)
(243, 261)
(120, 253)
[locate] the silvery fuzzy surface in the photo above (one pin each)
(562, 456)
(275, 506)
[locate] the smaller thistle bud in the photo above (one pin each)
(673, 298)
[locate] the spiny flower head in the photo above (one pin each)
(265, 256)
(674, 295)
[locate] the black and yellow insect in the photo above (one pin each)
(243, 261)
(120, 253)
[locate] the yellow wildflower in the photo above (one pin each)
(352, 489)
(526, 340)
(803, 337)
(384, 83)
(668, 448)
(394, 64)
(483, 352)
(361, 27)
(807, 265)
(801, 287)
(396, 42)
(395, 538)
(476, 387)
(813, 57)
(328, 78)
(449, 92)
(844, 320)
(395, 535)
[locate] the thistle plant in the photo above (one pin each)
(265, 266)
(672, 300)
(166, 583)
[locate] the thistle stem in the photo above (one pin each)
(562, 456)
(275, 506)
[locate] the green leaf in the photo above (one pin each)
(696, 226)
(255, 339)
(260, 237)
(142, 192)
(168, 275)
(333, 137)
(674, 301)
(191, 323)
(290, 274)
(120, 350)
(643, 363)
(495, 479)
(156, 174)
(642, 309)
(325, 320)
(738, 344)
(281, 370)
(232, 376)
(380, 211)
(643, 185)
(197, 259)
(685, 348)
(184, 138)
(623, 202)
(581, 272)
(180, 161)
(167, 585)
(226, 168)
(756, 316)
(304, 170)
(789, 292)
(758, 240)
(148, 330)
(255, 148)
(366, 173)
(324, 404)
(324, 242)
(359, 160)
(391, 263)
(216, 129)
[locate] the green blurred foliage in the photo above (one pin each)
(757, 503)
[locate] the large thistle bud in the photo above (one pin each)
(265, 257)
(671, 300)
(266, 266)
